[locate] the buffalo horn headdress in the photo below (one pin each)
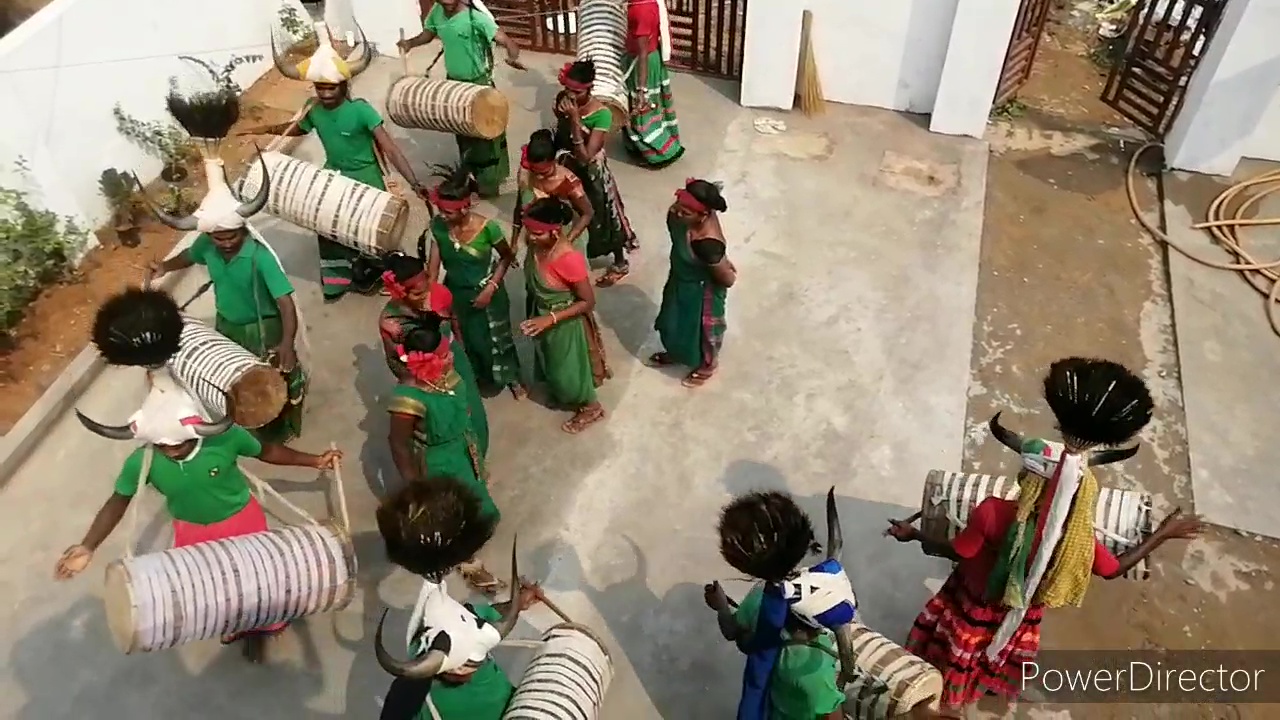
(325, 65)
(168, 416)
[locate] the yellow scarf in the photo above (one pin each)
(1067, 577)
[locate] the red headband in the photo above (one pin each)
(400, 290)
(447, 204)
(535, 225)
(687, 200)
(427, 366)
(569, 83)
(528, 164)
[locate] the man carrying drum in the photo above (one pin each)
(353, 135)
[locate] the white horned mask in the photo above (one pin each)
(220, 209)
(168, 416)
(325, 65)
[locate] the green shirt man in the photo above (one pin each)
(483, 695)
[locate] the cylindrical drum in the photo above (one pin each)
(461, 108)
(890, 681)
(208, 364)
(323, 201)
(602, 37)
(566, 679)
(1121, 520)
(212, 589)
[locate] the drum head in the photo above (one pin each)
(258, 396)
(392, 224)
(619, 111)
(117, 596)
(490, 113)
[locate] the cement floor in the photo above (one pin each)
(857, 239)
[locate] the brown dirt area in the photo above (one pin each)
(1065, 270)
(56, 326)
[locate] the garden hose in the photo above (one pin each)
(1224, 218)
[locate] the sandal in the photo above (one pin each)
(697, 378)
(660, 359)
(612, 276)
(518, 391)
(481, 579)
(582, 420)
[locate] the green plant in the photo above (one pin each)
(292, 23)
(160, 139)
(36, 248)
(118, 189)
(221, 75)
(1009, 110)
(177, 201)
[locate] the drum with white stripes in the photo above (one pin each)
(209, 590)
(323, 201)
(1121, 520)
(602, 38)
(566, 679)
(212, 367)
(461, 108)
(889, 681)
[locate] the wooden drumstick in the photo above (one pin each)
(542, 598)
(280, 139)
(404, 56)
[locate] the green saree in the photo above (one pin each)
(653, 136)
(691, 320)
(486, 332)
(569, 356)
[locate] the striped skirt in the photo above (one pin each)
(952, 634)
(653, 136)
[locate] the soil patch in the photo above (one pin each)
(56, 325)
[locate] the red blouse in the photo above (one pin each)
(978, 544)
(643, 26)
(562, 272)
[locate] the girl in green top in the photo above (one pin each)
(431, 432)
(569, 352)
(475, 256)
(467, 34)
(691, 320)
(583, 123)
(541, 176)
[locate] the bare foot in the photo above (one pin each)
(613, 276)
(518, 391)
(480, 579)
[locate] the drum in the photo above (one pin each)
(346, 211)
(1121, 520)
(209, 364)
(461, 108)
(566, 679)
(890, 681)
(602, 35)
(164, 599)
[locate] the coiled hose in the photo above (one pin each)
(1224, 218)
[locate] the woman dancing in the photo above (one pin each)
(476, 256)
(652, 134)
(414, 301)
(431, 432)
(467, 33)
(541, 176)
(1017, 558)
(570, 354)
(691, 320)
(582, 125)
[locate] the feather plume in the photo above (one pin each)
(1097, 402)
(138, 328)
(207, 115)
(765, 535)
(433, 525)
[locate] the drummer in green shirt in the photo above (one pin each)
(467, 32)
(352, 134)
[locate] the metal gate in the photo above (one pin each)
(1023, 43)
(1166, 39)
(706, 35)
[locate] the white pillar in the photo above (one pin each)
(1229, 91)
(975, 58)
(771, 54)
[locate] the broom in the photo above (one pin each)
(808, 86)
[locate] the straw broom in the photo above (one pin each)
(808, 86)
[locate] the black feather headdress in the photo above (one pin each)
(138, 328)
(765, 535)
(431, 526)
(1097, 402)
(207, 114)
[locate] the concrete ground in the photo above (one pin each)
(846, 363)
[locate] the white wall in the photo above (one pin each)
(63, 70)
(883, 54)
(1264, 143)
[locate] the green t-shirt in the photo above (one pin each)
(467, 38)
(803, 685)
(346, 132)
(483, 697)
(235, 281)
(205, 487)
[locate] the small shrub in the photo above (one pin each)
(117, 187)
(221, 75)
(36, 248)
(292, 22)
(159, 139)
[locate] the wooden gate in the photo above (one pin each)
(706, 35)
(1166, 39)
(1028, 28)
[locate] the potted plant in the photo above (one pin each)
(178, 201)
(118, 189)
(174, 149)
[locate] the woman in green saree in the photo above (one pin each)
(541, 176)
(569, 352)
(467, 34)
(414, 301)
(431, 432)
(583, 123)
(652, 134)
(475, 256)
(691, 321)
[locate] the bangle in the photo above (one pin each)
(554, 320)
